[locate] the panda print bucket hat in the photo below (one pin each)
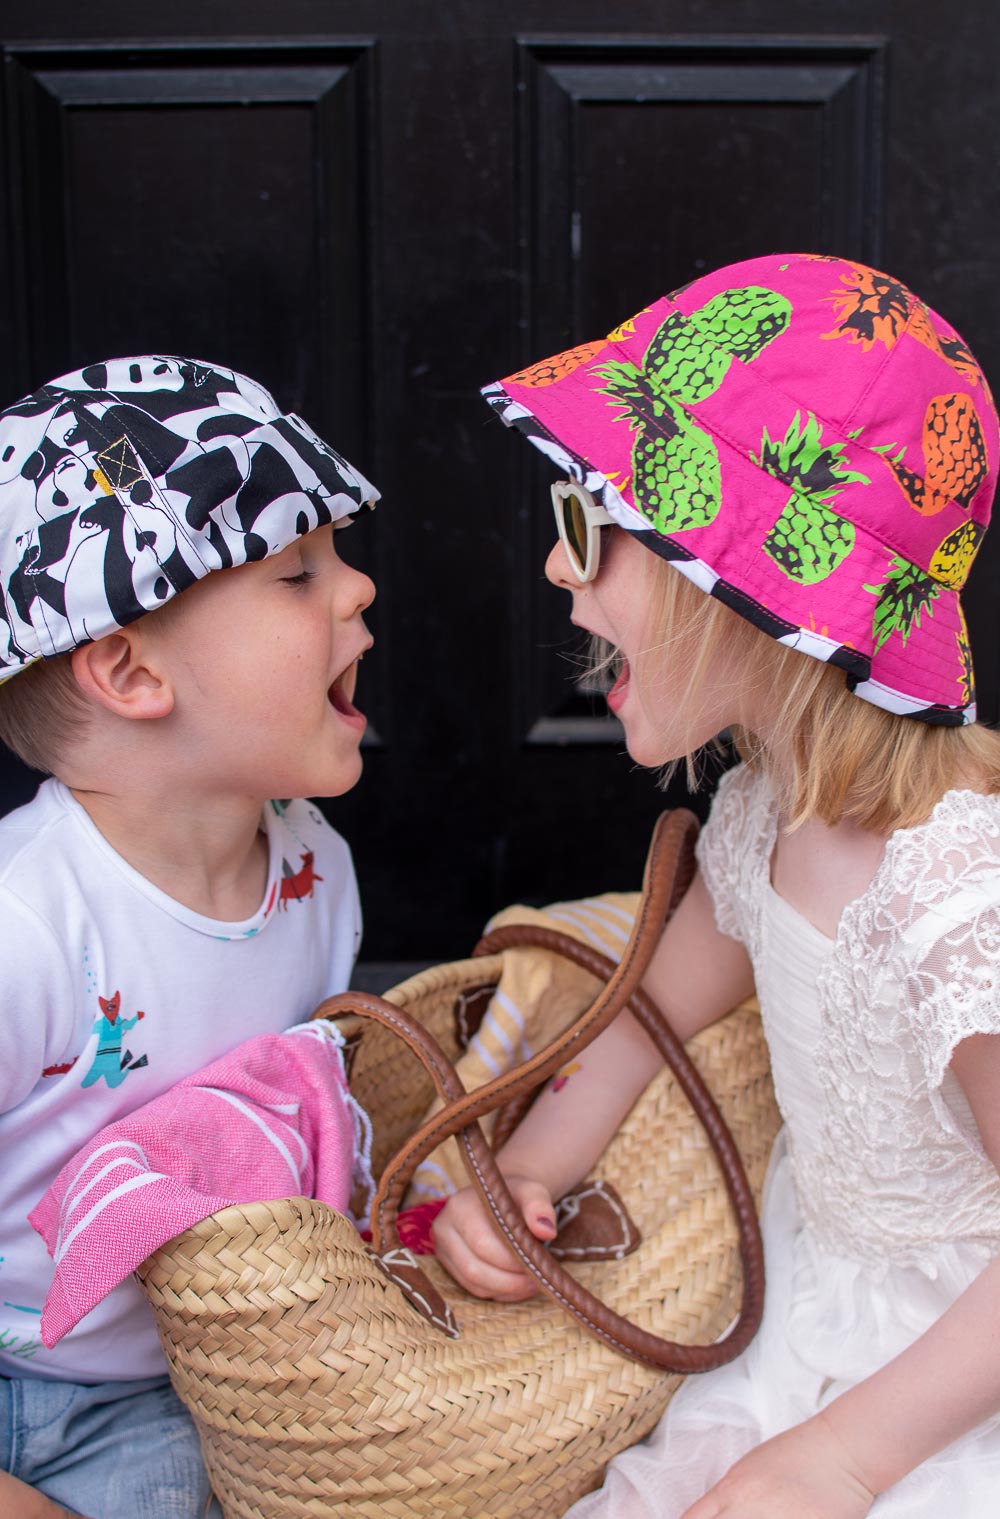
(123, 483)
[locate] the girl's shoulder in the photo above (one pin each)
(930, 919)
(959, 843)
(734, 848)
(931, 924)
(949, 865)
(743, 815)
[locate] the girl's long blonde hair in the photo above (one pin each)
(828, 753)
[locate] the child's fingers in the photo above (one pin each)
(476, 1256)
(470, 1229)
(467, 1246)
(488, 1278)
(536, 1206)
(541, 1221)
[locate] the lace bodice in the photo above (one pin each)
(889, 1167)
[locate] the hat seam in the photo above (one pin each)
(873, 538)
(164, 503)
(736, 592)
(870, 678)
(172, 517)
(891, 352)
(840, 431)
(556, 404)
(43, 608)
(890, 355)
(881, 536)
(764, 383)
(876, 539)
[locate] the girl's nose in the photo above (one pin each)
(557, 568)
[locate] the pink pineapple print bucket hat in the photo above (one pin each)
(803, 438)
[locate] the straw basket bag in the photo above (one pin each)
(329, 1379)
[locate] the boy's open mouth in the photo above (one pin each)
(340, 696)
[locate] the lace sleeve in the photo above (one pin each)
(730, 846)
(953, 991)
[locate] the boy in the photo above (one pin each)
(158, 907)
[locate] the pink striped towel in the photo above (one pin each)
(273, 1118)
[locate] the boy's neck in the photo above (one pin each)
(207, 853)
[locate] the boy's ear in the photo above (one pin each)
(118, 672)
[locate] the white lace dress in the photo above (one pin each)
(880, 1205)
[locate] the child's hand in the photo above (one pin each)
(468, 1247)
(805, 1473)
(17, 1501)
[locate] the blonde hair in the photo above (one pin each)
(828, 753)
(42, 711)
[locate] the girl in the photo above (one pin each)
(810, 454)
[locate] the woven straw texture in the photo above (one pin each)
(319, 1391)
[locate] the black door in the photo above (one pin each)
(376, 208)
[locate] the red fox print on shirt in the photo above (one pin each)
(297, 885)
(111, 1063)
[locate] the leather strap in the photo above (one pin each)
(669, 868)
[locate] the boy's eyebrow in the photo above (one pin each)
(279, 561)
(309, 544)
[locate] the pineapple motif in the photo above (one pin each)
(873, 308)
(954, 554)
(548, 371)
(955, 462)
(675, 466)
(676, 476)
(927, 502)
(626, 329)
(808, 541)
(954, 448)
(961, 360)
(965, 680)
(877, 309)
(690, 356)
(903, 596)
(951, 349)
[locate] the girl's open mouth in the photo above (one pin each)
(619, 690)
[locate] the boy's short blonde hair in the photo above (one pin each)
(830, 754)
(42, 711)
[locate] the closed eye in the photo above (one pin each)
(302, 578)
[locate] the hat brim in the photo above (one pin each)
(903, 672)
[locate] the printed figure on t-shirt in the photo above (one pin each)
(109, 1061)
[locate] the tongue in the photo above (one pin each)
(341, 703)
(621, 682)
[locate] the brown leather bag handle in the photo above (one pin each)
(666, 877)
(669, 868)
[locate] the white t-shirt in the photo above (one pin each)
(110, 992)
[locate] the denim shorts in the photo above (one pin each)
(116, 1450)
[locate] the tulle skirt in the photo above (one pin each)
(828, 1323)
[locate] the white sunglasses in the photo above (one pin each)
(579, 520)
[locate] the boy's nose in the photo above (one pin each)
(362, 590)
